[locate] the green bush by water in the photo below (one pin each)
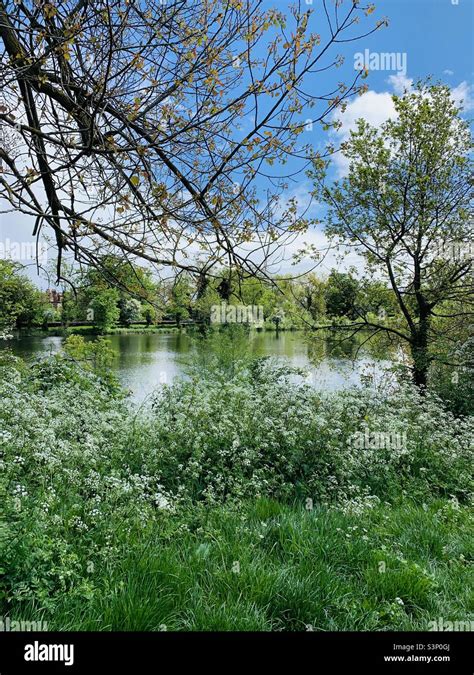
(241, 500)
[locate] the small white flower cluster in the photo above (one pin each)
(77, 463)
(234, 438)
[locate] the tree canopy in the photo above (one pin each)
(406, 207)
(161, 129)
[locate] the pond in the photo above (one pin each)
(145, 361)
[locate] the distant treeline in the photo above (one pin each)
(119, 295)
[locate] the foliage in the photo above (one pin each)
(341, 294)
(105, 309)
(259, 433)
(21, 304)
(95, 355)
(130, 311)
(89, 485)
(134, 294)
(147, 159)
(455, 383)
(150, 314)
(405, 207)
(179, 302)
(274, 567)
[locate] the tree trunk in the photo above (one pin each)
(420, 376)
(419, 353)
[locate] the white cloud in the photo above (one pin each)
(377, 107)
(330, 258)
(400, 83)
(463, 95)
(301, 194)
(448, 72)
(373, 107)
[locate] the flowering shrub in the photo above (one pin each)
(67, 485)
(80, 470)
(260, 433)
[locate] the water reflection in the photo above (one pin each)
(145, 361)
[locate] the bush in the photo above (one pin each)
(456, 388)
(82, 474)
(261, 433)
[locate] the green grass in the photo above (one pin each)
(274, 567)
(91, 330)
(120, 519)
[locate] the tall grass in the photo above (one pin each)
(238, 501)
(273, 567)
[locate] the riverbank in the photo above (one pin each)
(145, 361)
(134, 329)
(238, 500)
(92, 331)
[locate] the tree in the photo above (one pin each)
(130, 311)
(105, 308)
(277, 317)
(376, 297)
(125, 122)
(179, 304)
(257, 293)
(131, 281)
(311, 295)
(21, 304)
(133, 285)
(341, 294)
(96, 355)
(149, 313)
(405, 207)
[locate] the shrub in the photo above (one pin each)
(262, 433)
(81, 473)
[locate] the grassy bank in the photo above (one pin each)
(91, 330)
(239, 500)
(137, 329)
(276, 567)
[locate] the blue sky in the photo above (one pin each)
(435, 34)
(432, 37)
(435, 38)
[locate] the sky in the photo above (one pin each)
(426, 38)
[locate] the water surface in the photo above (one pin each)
(145, 361)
